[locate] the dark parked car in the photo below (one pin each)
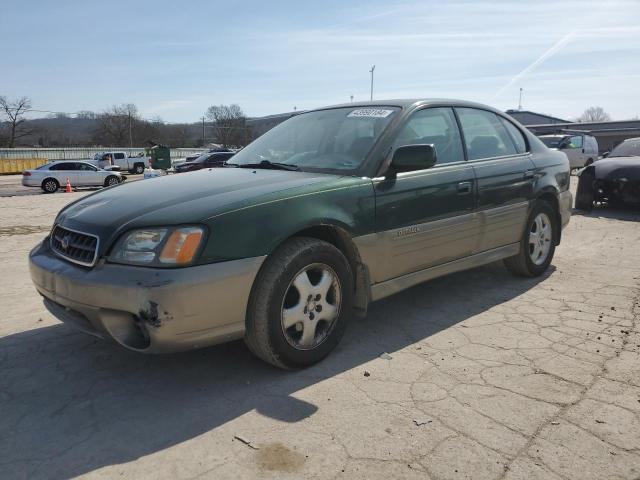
(206, 160)
(614, 179)
(328, 211)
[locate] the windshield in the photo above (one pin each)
(199, 159)
(326, 140)
(552, 142)
(630, 148)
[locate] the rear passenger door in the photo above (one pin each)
(498, 153)
(425, 218)
(120, 159)
(63, 171)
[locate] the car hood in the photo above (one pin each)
(618, 167)
(182, 199)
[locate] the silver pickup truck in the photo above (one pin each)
(120, 159)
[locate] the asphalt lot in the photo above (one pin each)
(477, 375)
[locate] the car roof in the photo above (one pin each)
(70, 161)
(405, 103)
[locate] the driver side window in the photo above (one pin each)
(437, 127)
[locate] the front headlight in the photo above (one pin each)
(158, 246)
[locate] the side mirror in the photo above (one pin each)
(606, 154)
(413, 157)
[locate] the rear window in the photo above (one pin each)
(118, 155)
(630, 148)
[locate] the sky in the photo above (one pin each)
(173, 59)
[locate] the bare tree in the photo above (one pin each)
(594, 114)
(116, 125)
(14, 114)
(229, 124)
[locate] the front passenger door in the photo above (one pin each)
(425, 218)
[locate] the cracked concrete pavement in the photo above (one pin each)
(487, 376)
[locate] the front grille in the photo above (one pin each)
(77, 247)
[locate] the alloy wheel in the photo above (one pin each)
(540, 238)
(311, 306)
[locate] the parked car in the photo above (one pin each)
(581, 149)
(325, 213)
(135, 164)
(206, 160)
(51, 176)
(614, 179)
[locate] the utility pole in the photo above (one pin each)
(520, 100)
(203, 131)
(130, 136)
(371, 72)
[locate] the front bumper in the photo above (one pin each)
(565, 203)
(148, 309)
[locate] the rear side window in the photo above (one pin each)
(437, 127)
(62, 166)
(118, 155)
(516, 136)
(484, 134)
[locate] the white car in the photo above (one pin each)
(51, 176)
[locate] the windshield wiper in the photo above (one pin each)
(268, 164)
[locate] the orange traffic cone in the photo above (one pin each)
(68, 189)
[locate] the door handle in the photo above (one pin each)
(528, 174)
(464, 188)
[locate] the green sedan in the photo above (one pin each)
(327, 212)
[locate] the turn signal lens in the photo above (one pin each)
(181, 246)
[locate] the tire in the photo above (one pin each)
(138, 168)
(585, 194)
(309, 337)
(534, 258)
(111, 180)
(50, 185)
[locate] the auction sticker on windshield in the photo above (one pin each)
(371, 113)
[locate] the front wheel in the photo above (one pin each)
(538, 243)
(111, 180)
(300, 303)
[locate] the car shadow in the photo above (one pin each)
(614, 212)
(72, 404)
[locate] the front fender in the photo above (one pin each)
(258, 229)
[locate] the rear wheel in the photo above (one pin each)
(138, 168)
(537, 245)
(50, 185)
(111, 180)
(300, 303)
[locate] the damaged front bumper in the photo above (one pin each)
(148, 309)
